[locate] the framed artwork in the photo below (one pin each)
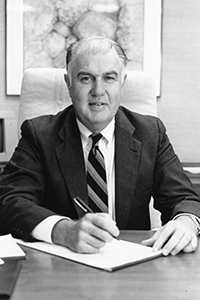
(38, 33)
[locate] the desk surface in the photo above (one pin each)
(46, 277)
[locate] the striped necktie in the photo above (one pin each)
(96, 177)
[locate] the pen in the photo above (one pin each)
(85, 207)
(82, 205)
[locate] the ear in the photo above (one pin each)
(66, 78)
(124, 79)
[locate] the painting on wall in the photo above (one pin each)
(38, 33)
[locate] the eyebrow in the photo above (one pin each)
(104, 74)
(84, 73)
(112, 73)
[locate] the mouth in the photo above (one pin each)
(97, 104)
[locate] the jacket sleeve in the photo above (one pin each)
(173, 192)
(22, 187)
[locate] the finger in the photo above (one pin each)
(164, 237)
(179, 238)
(192, 246)
(86, 247)
(101, 228)
(85, 242)
(107, 216)
(104, 215)
(151, 240)
(176, 243)
(94, 242)
(100, 234)
(106, 224)
(188, 243)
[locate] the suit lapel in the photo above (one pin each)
(70, 157)
(127, 151)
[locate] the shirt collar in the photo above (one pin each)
(107, 132)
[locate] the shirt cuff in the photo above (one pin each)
(194, 218)
(44, 229)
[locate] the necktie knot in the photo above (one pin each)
(96, 138)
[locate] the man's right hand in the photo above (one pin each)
(86, 235)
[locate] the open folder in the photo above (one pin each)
(112, 256)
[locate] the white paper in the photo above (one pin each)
(114, 255)
(1, 261)
(9, 248)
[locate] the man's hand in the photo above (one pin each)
(175, 236)
(86, 235)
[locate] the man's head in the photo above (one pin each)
(95, 78)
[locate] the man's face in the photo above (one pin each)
(96, 88)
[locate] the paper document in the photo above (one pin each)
(9, 248)
(114, 255)
(1, 261)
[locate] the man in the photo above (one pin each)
(48, 168)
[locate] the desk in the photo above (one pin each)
(46, 277)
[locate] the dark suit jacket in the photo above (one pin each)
(47, 171)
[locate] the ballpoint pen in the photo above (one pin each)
(82, 205)
(85, 207)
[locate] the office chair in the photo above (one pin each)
(44, 91)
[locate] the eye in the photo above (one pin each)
(109, 78)
(86, 79)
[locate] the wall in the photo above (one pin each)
(179, 104)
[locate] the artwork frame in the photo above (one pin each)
(15, 43)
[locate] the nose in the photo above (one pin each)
(97, 88)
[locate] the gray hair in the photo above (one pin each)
(94, 45)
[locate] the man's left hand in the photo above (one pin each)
(175, 236)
